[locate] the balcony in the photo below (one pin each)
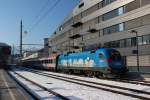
(75, 36)
(92, 30)
(77, 24)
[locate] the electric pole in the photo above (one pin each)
(21, 39)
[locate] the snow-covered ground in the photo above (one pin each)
(70, 90)
(109, 82)
(37, 91)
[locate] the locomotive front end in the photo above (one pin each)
(115, 62)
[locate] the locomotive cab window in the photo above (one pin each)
(115, 55)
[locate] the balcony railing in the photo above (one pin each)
(77, 24)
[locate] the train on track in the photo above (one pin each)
(5, 54)
(92, 63)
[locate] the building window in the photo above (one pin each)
(122, 43)
(140, 40)
(114, 13)
(106, 2)
(100, 5)
(146, 39)
(132, 5)
(117, 44)
(121, 27)
(113, 29)
(133, 41)
(81, 5)
(60, 28)
(128, 42)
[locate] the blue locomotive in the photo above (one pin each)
(96, 62)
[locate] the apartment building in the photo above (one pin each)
(119, 24)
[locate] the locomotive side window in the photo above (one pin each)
(50, 61)
(101, 56)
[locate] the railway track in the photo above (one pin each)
(38, 85)
(22, 86)
(141, 82)
(140, 94)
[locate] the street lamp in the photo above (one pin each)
(137, 48)
(82, 45)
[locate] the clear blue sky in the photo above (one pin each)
(12, 11)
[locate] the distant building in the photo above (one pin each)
(35, 54)
(107, 23)
(46, 47)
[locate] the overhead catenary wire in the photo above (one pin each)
(41, 10)
(44, 15)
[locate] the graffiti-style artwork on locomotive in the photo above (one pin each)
(101, 60)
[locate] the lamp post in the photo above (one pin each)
(82, 45)
(21, 42)
(137, 48)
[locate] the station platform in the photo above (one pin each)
(9, 90)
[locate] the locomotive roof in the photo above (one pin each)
(101, 49)
(4, 45)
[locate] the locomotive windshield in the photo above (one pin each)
(114, 55)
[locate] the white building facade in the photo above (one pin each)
(107, 23)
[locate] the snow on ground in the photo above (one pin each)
(71, 90)
(109, 82)
(41, 94)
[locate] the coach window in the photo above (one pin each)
(146, 39)
(50, 61)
